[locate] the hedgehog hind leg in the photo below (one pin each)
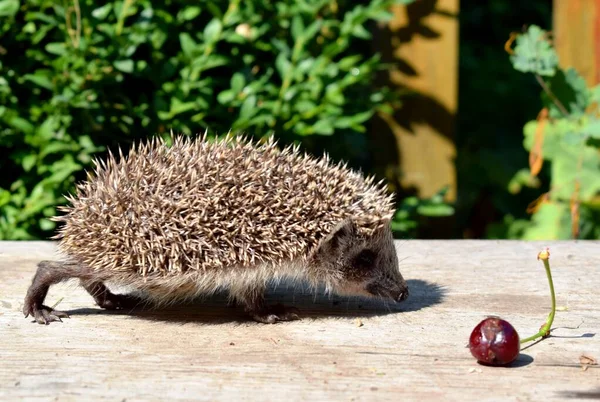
(255, 305)
(108, 300)
(48, 273)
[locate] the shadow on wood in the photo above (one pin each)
(215, 309)
(591, 394)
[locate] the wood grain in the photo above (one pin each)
(576, 29)
(413, 351)
(421, 45)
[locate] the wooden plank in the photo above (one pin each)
(421, 42)
(413, 351)
(577, 36)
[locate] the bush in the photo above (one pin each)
(494, 103)
(77, 79)
(563, 144)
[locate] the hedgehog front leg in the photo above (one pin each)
(254, 304)
(52, 272)
(48, 273)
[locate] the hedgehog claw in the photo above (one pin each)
(45, 315)
(276, 313)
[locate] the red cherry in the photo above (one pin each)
(495, 342)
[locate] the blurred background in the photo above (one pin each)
(480, 115)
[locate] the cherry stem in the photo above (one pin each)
(545, 330)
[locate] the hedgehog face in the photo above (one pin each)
(367, 267)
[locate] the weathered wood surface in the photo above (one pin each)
(416, 351)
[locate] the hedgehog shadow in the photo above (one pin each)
(216, 310)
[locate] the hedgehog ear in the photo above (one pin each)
(340, 239)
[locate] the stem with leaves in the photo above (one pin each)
(546, 89)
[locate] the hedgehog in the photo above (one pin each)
(188, 216)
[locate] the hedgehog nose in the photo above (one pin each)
(402, 296)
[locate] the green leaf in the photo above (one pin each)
(40, 78)
(571, 90)
(349, 121)
(261, 119)
(212, 31)
(297, 27)
(225, 97)
(46, 130)
(56, 48)
(533, 53)
(189, 13)
(237, 82)
(248, 108)
(57, 148)
(283, 65)
(47, 224)
(29, 28)
(333, 93)
(41, 34)
(360, 32)
(312, 30)
(554, 134)
(592, 128)
(21, 124)
(522, 178)
(594, 94)
(9, 8)
(435, 210)
(4, 197)
(164, 115)
(101, 13)
(305, 106)
(550, 222)
(62, 169)
(178, 107)
(212, 61)
(324, 127)
(158, 38)
(125, 66)
(28, 162)
(349, 62)
(305, 66)
(576, 164)
(187, 44)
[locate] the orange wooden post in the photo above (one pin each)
(422, 44)
(416, 145)
(577, 36)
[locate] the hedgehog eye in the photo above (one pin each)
(365, 259)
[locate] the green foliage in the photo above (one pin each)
(413, 209)
(569, 140)
(534, 54)
(79, 76)
(494, 103)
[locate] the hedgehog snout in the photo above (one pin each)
(388, 289)
(402, 296)
(403, 292)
